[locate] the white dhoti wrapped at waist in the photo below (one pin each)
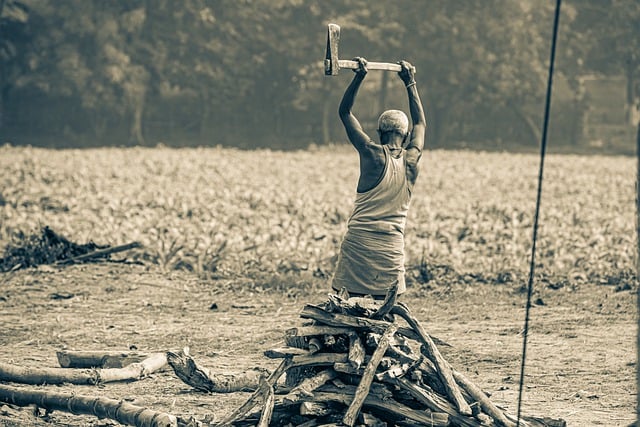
(370, 262)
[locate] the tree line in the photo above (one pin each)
(249, 73)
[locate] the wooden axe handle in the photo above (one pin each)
(386, 66)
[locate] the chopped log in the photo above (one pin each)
(371, 421)
(434, 402)
(252, 401)
(308, 385)
(98, 359)
(443, 368)
(319, 359)
(389, 301)
(294, 375)
(269, 400)
(282, 352)
(347, 368)
(341, 320)
(397, 371)
(362, 391)
(314, 345)
(316, 330)
(356, 350)
(485, 403)
(201, 378)
(395, 409)
(315, 409)
(39, 376)
(100, 253)
(101, 407)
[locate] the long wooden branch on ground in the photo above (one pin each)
(37, 376)
(100, 253)
(98, 359)
(101, 407)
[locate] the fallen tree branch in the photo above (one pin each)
(100, 253)
(101, 407)
(98, 359)
(39, 376)
(201, 378)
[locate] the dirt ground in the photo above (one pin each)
(581, 355)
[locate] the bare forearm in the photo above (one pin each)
(417, 117)
(415, 106)
(350, 95)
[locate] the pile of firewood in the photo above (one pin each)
(355, 363)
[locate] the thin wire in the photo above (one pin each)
(638, 273)
(543, 149)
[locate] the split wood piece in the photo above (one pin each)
(294, 375)
(434, 402)
(252, 401)
(319, 359)
(201, 378)
(282, 352)
(397, 371)
(308, 385)
(395, 409)
(314, 345)
(485, 403)
(101, 253)
(443, 368)
(357, 352)
(101, 407)
(315, 410)
(389, 301)
(362, 391)
(316, 330)
(98, 359)
(39, 376)
(269, 400)
(341, 320)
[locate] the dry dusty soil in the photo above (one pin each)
(580, 366)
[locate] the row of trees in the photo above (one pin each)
(249, 72)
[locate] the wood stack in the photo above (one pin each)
(354, 363)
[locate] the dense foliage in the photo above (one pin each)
(248, 72)
(263, 214)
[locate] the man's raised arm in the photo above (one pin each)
(416, 139)
(356, 135)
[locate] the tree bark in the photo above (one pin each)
(35, 376)
(101, 407)
(533, 129)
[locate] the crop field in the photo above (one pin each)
(257, 232)
(221, 211)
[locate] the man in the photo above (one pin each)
(371, 258)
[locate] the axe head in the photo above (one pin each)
(331, 64)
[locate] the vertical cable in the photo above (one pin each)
(543, 149)
(638, 274)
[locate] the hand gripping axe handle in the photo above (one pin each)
(332, 64)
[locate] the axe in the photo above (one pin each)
(332, 64)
